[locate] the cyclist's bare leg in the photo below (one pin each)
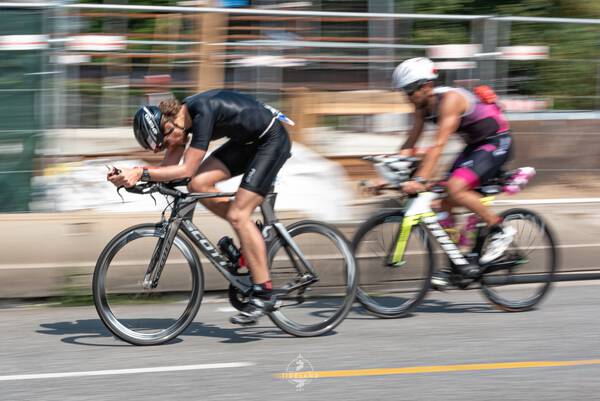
(253, 245)
(460, 194)
(211, 171)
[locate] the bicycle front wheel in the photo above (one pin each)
(130, 310)
(531, 263)
(318, 308)
(385, 289)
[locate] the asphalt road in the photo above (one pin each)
(58, 353)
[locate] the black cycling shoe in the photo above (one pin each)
(249, 315)
(468, 271)
(259, 305)
(459, 276)
(440, 281)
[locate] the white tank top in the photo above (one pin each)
(470, 97)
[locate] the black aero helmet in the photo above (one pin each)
(147, 128)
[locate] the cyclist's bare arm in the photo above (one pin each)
(407, 149)
(192, 158)
(375, 185)
(451, 108)
(191, 162)
(173, 155)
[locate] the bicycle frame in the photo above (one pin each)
(418, 210)
(181, 219)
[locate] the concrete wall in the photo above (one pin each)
(558, 148)
(48, 254)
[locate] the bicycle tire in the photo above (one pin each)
(544, 277)
(299, 329)
(375, 305)
(107, 315)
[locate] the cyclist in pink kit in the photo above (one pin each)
(480, 123)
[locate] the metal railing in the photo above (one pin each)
(265, 51)
(269, 53)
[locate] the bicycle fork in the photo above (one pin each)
(161, 252)
(419, 210)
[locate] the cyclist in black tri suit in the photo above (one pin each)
(486, 133)
(258, 146)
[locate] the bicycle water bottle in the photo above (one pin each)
(229, 249)
(467, 234)
(447, 222)
(518, 181)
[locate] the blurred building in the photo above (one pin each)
(73, 74)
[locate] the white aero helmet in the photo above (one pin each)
(412, 71)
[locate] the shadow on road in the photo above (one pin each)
(85, 332)
(439, 306)
(428, 306)
(358, 312)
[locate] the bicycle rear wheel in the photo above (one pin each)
(385, 290)
(531, 262)
(318, 308)
(139, 315)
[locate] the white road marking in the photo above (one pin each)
(127, 371)
(227, 309)
(557, 201)
(579, 246)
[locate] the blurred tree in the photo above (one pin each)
(570, 76)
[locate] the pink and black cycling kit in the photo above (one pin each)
(487, 135)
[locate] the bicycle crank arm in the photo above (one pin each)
(502, 265)
(299, 301)
(300, 283)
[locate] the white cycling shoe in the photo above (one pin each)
(499, 243)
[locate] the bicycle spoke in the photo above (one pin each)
(138, 314)
(531, 264)
(386, 290)
(314, 304)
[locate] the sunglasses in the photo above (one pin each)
(413, 87)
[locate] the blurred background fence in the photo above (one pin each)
(72, 75)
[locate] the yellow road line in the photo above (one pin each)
(433, 369)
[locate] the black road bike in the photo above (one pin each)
(396, 259)
(148, 282)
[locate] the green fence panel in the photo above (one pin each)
(20, 104)
(16, 167)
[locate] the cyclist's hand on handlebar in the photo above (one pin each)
(409, 152)
(413, 187)
(126, 177)
(372, 187)
(417, 153)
